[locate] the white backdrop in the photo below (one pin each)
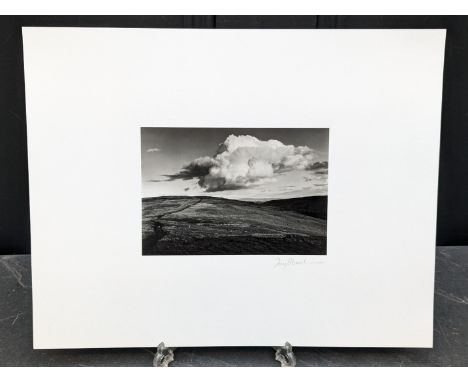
(90, 90)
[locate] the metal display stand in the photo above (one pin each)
(284, 355)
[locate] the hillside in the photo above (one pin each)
(315, 206)
(216, 226)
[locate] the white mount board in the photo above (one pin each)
(88, 92)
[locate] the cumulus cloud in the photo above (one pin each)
(245, 161)
(153, 150)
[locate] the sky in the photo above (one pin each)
(244, 164)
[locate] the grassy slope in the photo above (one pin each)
(315, 206)
(206, 226)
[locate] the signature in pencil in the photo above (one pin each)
(282, 262)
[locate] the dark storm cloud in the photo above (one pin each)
(198, 168)
(318, 166)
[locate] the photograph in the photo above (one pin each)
(234, 191)
(184, 185)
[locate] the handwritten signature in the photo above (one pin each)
(281, 262)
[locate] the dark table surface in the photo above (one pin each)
(450, 331)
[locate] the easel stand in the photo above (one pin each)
(284, 355)
(164, 356)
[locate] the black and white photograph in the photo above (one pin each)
(211, 186)
(239, 191)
